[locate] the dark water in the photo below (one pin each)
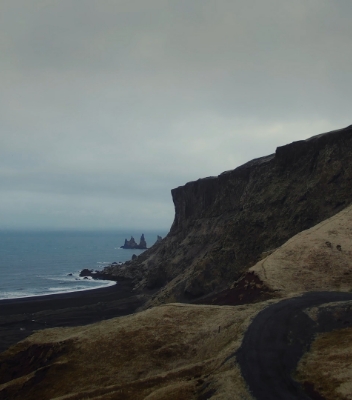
(38, 263)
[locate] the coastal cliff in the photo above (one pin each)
(223, 225)
(268, 210)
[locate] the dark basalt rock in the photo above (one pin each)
(158, 239)
(131, 244)
(85, 273)
(223, 224)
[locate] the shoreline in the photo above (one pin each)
(112, 283)
(50, 296)
(20, 317)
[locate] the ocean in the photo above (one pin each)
(34, 263)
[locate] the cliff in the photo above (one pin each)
(189, 351)
(223, 225)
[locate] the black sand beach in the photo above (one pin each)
(19, 318)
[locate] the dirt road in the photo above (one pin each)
(277, 339)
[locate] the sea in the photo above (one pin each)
(36, 263)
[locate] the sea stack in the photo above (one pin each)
(131, 244)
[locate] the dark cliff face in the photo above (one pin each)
(223, 224)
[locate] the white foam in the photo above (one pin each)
(18, 295)
(58, 278)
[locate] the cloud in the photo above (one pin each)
(106, 106)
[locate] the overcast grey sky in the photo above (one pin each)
(107, 105)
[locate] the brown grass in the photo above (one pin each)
(168, 352)
(317, 259)
(185, 352)
(328, 365)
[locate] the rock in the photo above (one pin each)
(158, 239)
(131, 244)
(142, 243)
(85, 273)
(134, 256)
(223, 224)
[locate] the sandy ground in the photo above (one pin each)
(21, 317)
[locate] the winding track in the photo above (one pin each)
(276, 340)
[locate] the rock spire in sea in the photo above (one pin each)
(132, 244)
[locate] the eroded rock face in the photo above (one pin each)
(223, 224)
(132, 244)
(142, 242)
(158, 239)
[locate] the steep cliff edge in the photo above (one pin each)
(224, 224)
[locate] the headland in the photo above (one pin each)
(272, 235)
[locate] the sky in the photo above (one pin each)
(107, 105)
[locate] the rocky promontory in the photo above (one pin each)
(223, 225)
(100, 275)
(132, 244)
(291, 211)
